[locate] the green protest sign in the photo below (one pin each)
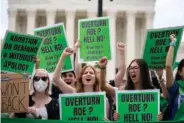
(18, 52)
(94, 36)
(83, 106)
(52, 47)
(138, 106)
(157, 46)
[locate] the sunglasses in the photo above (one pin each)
(37, 78)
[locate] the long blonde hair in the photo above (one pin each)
(49, 87)
(80, 85)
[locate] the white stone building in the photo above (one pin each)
(129, 20)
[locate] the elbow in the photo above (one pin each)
(56, 78)
(168, 66)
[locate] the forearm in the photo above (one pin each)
(164, 89)
(77, 65)
(103, 79)
(58, 69)
(169, 72)
(119, 76)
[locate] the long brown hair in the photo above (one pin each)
(80, 85)
(145, 80)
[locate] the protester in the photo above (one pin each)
(88, 80)
(69, 77)
(41, 105)
(137, 79)
(161, 80)
(175, 85)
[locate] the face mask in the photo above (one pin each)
(40, 86)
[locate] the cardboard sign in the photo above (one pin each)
(14, 93)
(52, 47)
(94, 37)
(18, 52)
(138, 106)
(157, 46)
(83, 106)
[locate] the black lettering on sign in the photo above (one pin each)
(92, 118)
(91, 32)
(16, 66)
(176, 32)
(79, 111)
(80, 101)
(25, 48)
(58, 47)
(47, 49)
(49, 32)
(89, 39)
(95, 23)
(7, 46)
(23, 57)
(131, 118)
(134, 107)
(157, 35)
(154, 50)
(25, 40)
(160, 42)
(75, 119)
(147, 117)
(100, 38)
(137, 98)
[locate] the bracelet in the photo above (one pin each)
(173, 44)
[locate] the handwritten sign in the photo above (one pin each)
(14, 93)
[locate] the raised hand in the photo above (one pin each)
(173, 37)
(36, 60)
(121, 46)
(159, 73)
(103, 62)
(67, 51)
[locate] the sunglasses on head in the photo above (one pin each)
(37, 78)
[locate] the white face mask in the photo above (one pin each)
(40, 85)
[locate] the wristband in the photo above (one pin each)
(173, 44)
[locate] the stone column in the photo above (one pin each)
(51, 15)
(111, 67)
(130, 39)
(70, 27)
(149, 19)
(92, 14)
(12, 14)
(31, 17)
(148, 23)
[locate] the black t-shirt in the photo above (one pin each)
(52, 109)
(55, 92)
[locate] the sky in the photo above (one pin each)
(168, 13)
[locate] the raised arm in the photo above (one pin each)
(77, 66)
(57, 73)
(169, 61)
(162, 84)
(104, 85)
(164, 89)
(119, 76)
(37, 62)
